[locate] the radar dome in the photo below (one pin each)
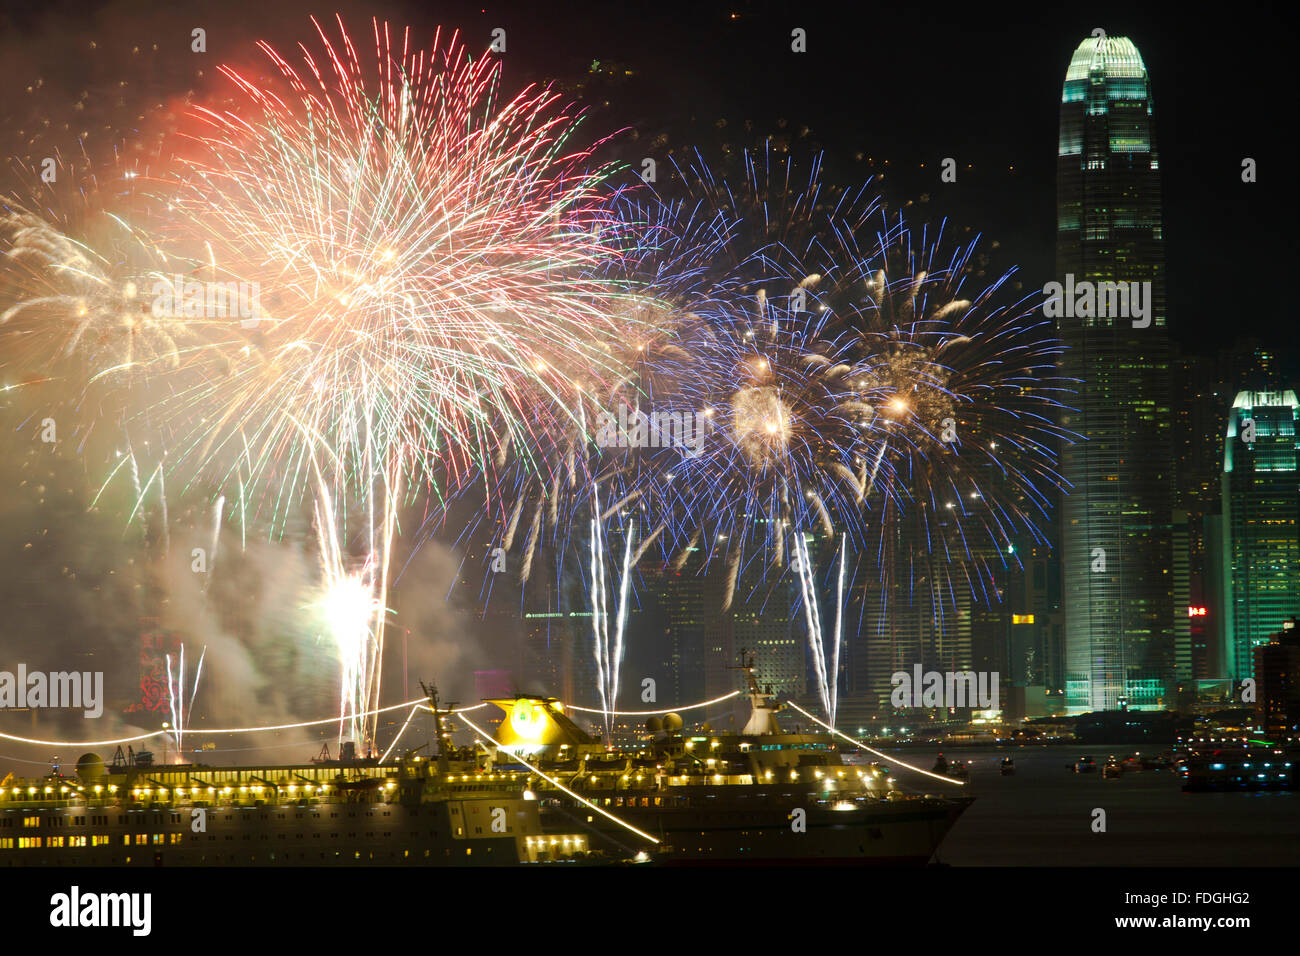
(706, 727)
(672, 722)
(654, 725)
(90, 767)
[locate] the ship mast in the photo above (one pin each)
(441, 730)
(763, 705)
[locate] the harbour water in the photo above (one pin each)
(1043, 815)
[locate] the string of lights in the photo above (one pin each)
(205, 731)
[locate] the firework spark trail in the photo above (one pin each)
(353, 609)
(173, 704)
(624, 588)
(599, 623)
(179, 709)
(218, 509)
(162, 502)
(811, 618)
(839, 630)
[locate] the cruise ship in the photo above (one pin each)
(536, 789)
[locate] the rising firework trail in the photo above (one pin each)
(180, 709)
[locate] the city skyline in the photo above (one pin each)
(584, 439)
(1012, 622)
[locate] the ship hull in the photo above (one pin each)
(885, 834)
(427, 835)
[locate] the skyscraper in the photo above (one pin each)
(1205, 388)
(1261, 539)
(1116, 550)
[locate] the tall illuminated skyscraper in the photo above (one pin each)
(1261, 537)
(1116, 540)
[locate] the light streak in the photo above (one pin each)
(180, 710)
(654, 713)
(559, 786)
(209, 732)
(399, 733)
(858, 743)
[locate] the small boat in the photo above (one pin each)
(1083, 765)
(1008, 767)
(959, 769)
(1113, 769)
(940, 765)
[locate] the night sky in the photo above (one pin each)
(978, 83)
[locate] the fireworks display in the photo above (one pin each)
(968, 392)
(418, 252)
(374, 283)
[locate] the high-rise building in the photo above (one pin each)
(1277, 670)
(690, 612)
(921, 609)
(1116, 535)
(1261, 507)
(1205, 388)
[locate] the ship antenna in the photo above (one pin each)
(747, 665)
(439, 716)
